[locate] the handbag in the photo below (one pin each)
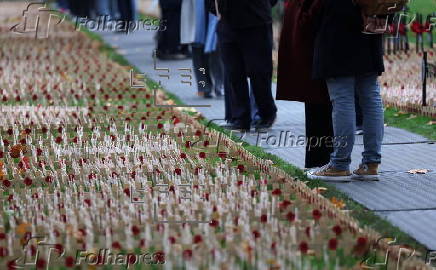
(380, 7)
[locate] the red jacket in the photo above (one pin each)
(296, 54)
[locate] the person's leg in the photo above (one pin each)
(319, 131)
(216, 69)
(342, 91)
(102, 8)
(254, 110)
(200, 61)
(169, 40)
(368, 89)
(227, 83)
(235, 69)
(257, 48)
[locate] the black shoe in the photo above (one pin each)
(262, 124)
(219, 94)
(208, 95)
(239, 126)
(170, 56)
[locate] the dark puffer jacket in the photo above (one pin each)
(341, 49)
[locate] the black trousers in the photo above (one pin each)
(126, 9)
(80, 8)
(168, 41)
(318, 125)
(247, 53)
(213, 70)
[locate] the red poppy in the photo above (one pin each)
(276, 192)
(135, 230)
(304, 247)
(214, 223)
(116, 245)
(333, 244)
(222, 155)
(256, 234)
(197, 239)
(361, 242)
(290, 216)
(58, 140)
(316, 214)
(6, 183)
(263, 218)
(69, 262)
(3, 252)
(241, 168)
(172, 239)
(40, 264)
(187, 254)
(337, 230)
(27, 181)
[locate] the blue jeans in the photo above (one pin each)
(342, 91)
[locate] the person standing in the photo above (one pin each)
(127, 12)
(198, 29)
(294, 78)
(168, 41)
(350, 62)
(245, 37)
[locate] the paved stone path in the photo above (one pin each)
(407, 201)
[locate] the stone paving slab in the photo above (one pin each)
(419, 224)
(396, 191)
(402, 151)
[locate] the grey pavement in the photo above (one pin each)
(407, 201)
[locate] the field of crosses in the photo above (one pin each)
(92, 174)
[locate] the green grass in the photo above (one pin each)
(408, 121)
(365, 217)
(422, 6)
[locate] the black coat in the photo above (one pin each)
(244, 13)
(341, 49)
(294, 78)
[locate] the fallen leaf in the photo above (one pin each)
(412, 116)
(319, 190)
(418, 171)
(338, 203)
(23, 228)
(431, 123)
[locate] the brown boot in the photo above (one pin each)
(366, 172)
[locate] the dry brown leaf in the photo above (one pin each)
(23, 228)
(338, 203)
(418, 171)
(319, 190)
